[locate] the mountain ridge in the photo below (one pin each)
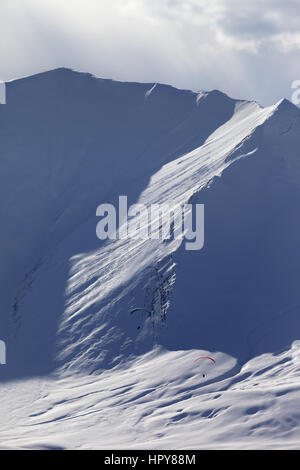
(66, 295)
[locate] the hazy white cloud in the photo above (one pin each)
(247, 49)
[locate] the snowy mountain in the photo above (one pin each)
(75, 354)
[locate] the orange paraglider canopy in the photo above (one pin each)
(205, 357)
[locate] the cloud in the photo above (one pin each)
(247, 49)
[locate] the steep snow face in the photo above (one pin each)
(104, 284)
(69, 142)
(241, 295)
(98, 139)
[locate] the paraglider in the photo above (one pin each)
(205, 357)
(141, 309)
(138, 309)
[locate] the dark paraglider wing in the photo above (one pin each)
(138, 309)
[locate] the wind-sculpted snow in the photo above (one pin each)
(69, 142)
(159, 401)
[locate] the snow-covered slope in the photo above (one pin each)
(75, 354)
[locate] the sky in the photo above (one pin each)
(247, 49)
